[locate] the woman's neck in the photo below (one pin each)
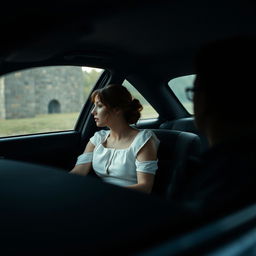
(121, 130)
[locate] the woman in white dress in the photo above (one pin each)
(121, 155)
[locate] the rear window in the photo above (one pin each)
(148, 111)
(178, 86)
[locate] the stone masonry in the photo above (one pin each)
(25, 94)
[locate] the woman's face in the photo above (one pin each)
(100, 113)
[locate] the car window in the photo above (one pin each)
(178, 86)
(44, 99)
(148, 111)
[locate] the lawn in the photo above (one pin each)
(47, 123)
(38, 124)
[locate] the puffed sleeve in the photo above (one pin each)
(146, 166)
(144, 138)
(98, 137)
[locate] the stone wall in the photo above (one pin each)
(19, 95)
(36, 91)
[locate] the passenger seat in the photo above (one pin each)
(175, 148)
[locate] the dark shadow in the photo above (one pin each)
(54, 107)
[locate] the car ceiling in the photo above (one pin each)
(163, 36)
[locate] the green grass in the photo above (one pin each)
(48, 123)
(38, 124)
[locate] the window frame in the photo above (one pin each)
(189, 109)
(79, 113)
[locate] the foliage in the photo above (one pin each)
(90, 78)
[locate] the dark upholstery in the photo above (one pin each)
(187, 125)
(47, 211)
(174, 150)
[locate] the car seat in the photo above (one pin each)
(175, 149)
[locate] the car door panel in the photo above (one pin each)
(59, 149)
(53, 149)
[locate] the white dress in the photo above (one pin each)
(120, 166)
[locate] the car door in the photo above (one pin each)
(45, 115)
(42, 112)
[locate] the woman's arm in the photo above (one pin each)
(84, 169)
(146, 180)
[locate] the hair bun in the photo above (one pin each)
(132, 114)
(118, 96)
(135, 105)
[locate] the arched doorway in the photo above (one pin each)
(54, 107)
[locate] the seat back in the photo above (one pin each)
(174, 151)
(186, 124)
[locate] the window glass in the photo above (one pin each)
(178, 86)
(148, 111)
(44, 99)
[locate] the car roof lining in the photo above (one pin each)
(162, 34)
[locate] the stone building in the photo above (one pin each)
(46, 90)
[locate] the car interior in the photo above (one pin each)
(52, 56)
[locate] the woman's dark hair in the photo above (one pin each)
(117, 96)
